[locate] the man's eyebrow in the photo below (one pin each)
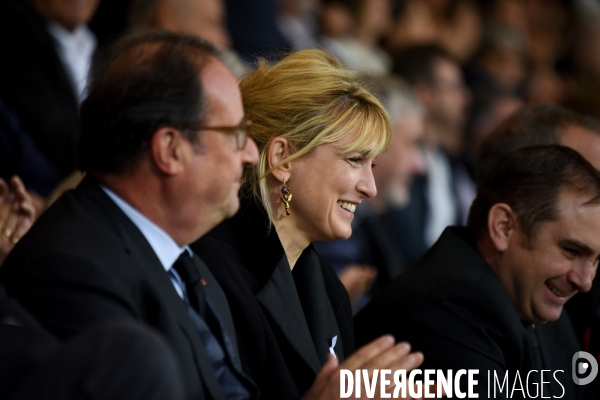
(578, 245)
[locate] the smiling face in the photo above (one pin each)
(327, 186)
(541, 275)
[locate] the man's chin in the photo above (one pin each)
(233, 208)
(546, 317)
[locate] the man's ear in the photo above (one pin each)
(501, 225)
(168, 150)
(278, 150)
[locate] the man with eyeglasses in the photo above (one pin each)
(164, 144)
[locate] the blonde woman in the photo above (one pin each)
(318, 132)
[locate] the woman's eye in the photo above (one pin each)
(355, 159)
(373, 165)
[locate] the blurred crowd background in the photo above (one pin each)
(448, 71)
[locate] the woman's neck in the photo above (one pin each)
(291, 239)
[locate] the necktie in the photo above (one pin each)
(234, 383)
(190, 275)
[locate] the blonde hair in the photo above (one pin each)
(309, 99)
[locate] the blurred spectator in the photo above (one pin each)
(205, 19)
(49, 49)
(501, 63)
(536, 125)
(455, 25)
(335, 20)
(297, 22)
(461, 30)
(443, 194)
(487, 112)
(74, 42)
(414, 25)
(249, 26)
(370, 245)
(584, 81)
(359, 50)
(403, 160)
(545, 28)
(252, 25)
(19, 155)
(510, 13)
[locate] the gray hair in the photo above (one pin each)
(395, 94)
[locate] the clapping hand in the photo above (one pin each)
(381, 353)
(17, 213)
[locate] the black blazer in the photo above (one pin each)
(84, 262)
(452, 307)
(285, 320)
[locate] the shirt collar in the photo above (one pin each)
(80, 36)
(163, 245)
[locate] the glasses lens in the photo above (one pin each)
(241, 138)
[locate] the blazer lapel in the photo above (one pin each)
(136, 245)
(320, 318)
(220, 306)
(279, 299)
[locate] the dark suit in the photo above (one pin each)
(35, 86)
(285, 320)
(84, 262)
(452, 307)
(407, 225)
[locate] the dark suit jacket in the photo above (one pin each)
(452, 307)
(35, 86)
(285, 320)
(84, 262)
(406, 225)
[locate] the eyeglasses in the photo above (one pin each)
(240, 131)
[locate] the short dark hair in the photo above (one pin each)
(530, 126)
(416, 64)
(148, 80)
(530, 180)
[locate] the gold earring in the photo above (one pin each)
(286, 197)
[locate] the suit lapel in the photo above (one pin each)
(279, 299)
(320, 318)
(220, 307)
(136, 245)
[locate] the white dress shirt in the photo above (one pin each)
(75, 50)
(163, 245)
(440, 195)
